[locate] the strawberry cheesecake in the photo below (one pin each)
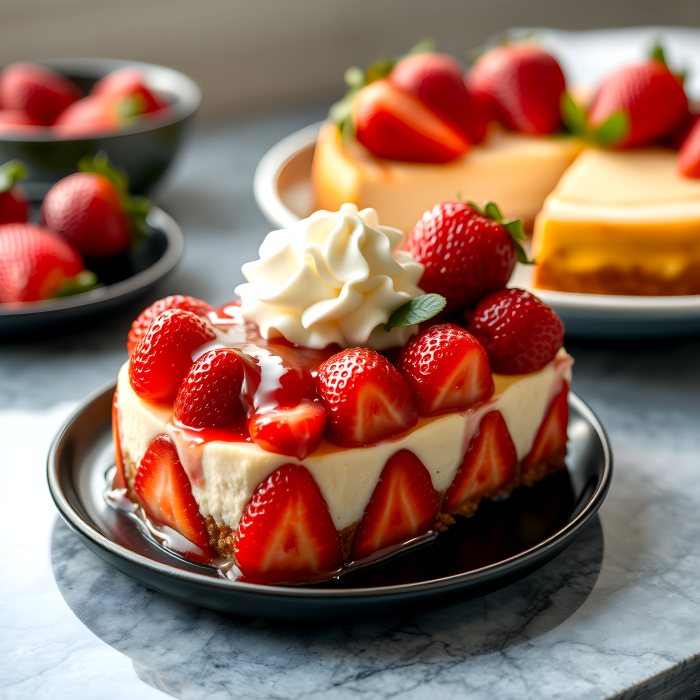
(323, 421)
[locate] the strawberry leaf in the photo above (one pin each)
(514, 227)
(613, 129)
(416, 311)
(572, 115)
(84, 281)
(10, 172)
(657, 53)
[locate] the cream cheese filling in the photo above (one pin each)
(345, 477)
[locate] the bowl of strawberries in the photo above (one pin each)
(54, 112)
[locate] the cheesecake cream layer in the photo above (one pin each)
(346, 476)
(514, 170)
(628, 211)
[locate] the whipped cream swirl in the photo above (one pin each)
(335, 277)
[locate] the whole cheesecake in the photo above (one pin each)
(247, 436)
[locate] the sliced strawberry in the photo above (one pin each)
(519, 332)
(37, 91)
(689, 155)
(524, 86)
(366, 398)
(438, 81)
(295, 432)
(210, 395)
(286, 534)
(551, 437)
(488, 465)
(147, 316)
(120, 481)
(165, 494)
(163, 356)
(447, 369)
(393, 124)
(404, 505)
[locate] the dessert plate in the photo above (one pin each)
(284, 193)
(502, 543)
(138, 272)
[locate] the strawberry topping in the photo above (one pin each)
(163, 356)
(404, 505)
(210, 396)
(147, 316)
(551, 437)
(689, 156)
(366, 398)
(524, 85)
(520, 333)
(488, 465)
(286, 533)
(394, 124)
(165, 494)
(295, 431)
(120, 481)
(466, 255)
(447, 369)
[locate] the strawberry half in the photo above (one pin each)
(551, 437)
(394, 124)
(447, 369)
(466, 254)
(35, 264)
(286, 534)
(520, 333)
(650, 96)
(403, 506)
(689, 155)
(524, 85)
(163, 356)
(438, 81)
(120, 481)
(37, 91)
(366, 398)
(14, 205)
(295, 431)
(488, 465)
(165, 494)
(210, 395)
(147, 316)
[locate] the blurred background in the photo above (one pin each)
(248, 56)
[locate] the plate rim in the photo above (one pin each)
(77, 522)
(175, 247)
(269, 202)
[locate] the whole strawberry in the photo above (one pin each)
(147, 316)
(86, 209)
(466, 254)
(14, 205)
(37, 91)
(35, 264)
(438, 81)
(524, 85)
(520, 333)
(129, 83)
(163, 356)
(689, 155)
(210, 395)
(89, 116)
(648, 94)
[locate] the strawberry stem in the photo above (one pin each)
(84, 281)
(611, 131)
(514, 227)
(10, 172)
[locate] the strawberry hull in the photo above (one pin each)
(225, 475)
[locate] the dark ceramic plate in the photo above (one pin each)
(145, 150)
(502, 543)
(126, 278)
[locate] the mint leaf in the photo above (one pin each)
(613, 129)
(10, 172)
(416, 311)
(572, 115)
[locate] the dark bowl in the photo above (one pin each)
(145, 150)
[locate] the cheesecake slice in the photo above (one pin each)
(516, 170)
(620, 223)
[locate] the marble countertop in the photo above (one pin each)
(616, 615)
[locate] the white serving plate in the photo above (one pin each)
(284, 192)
